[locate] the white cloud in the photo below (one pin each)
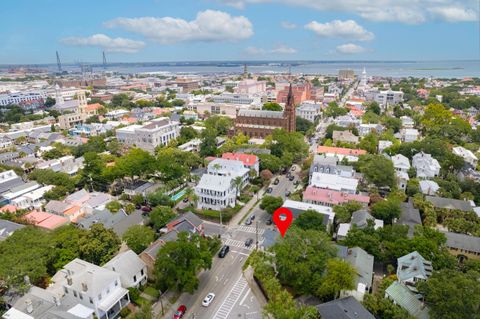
(254, 51)
(454, 14)
(405, 11)
(279, 49)
(208, 26)
(348, 29)
(283, 49)
(288, 25)
(105, 42)
(350, 48)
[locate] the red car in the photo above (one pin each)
(180, 312)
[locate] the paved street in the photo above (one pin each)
(233, 296)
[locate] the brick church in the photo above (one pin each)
(260, 123)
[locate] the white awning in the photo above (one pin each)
(107, 303)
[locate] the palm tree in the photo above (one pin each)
(237, 182)
(216, 167)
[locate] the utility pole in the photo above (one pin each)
(221, 218)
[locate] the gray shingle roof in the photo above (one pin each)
(127, 264)
(7, 228)
(363, 264)
(413, 265)
(409, 216)
(344, 308)
(361, 217)
(462, 241)
(260, 113)
(449, 203)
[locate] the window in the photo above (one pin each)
(75, 294)
(90, 299)
(135, 278)
(116, 283)
(65, 289)
(99, 296)
(141, 272)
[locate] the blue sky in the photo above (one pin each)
(192, 30)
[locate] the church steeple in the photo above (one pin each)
(289, 111)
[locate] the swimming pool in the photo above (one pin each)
(178, 195)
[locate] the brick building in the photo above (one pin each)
(260, 123)
(301, 92)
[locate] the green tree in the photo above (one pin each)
(114, 206)
(339, 276)
(374, 107)
(378, 170)
(272, 106)
(99, 245)
(208, 147)
(220, 124)
(136, 163)
(301, 259)
(160, 216)
(187, 133)
(333, 110)
(302, 125)
(178, 262)
(369, 143)
(270, 162)
(386, 210)
(271, 203)
(138, 238)
(452, 294)
(343, 212)
(49, 101)
(310, 219)
(288, 146)
(159, 198)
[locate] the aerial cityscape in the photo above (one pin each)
(240, 159)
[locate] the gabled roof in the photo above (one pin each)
(449, 203)
(344, 308)
(340, 151)
(126, 264)
(7, 228)
(409, 216)
(363, 264)
(403, 297)
(462, 241)
(413, 265)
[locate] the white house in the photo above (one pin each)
(402, 179)
(334, 182)
(428, 187)
(383, 144)
(132, 270)
(93, 286)
(409, 135)
(467, 155)
(401, 163)
(232, 168)
(215, 192)
(425, 165)
(407, 122)
(155, 133)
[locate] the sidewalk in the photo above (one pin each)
(251, 203)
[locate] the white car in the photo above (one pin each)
(208, 299)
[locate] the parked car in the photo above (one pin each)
(185, 200)
(146, 209)
(269, 190)
(276, 181)
(223, 251)
(248, 221)
(296, 183)
(180, 312)
(252, 217)
(208, 299)
(248, 242)
(291, 178)
(293, 168)
(269, 221)
(287, 194)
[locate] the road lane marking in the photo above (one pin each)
(237, 243)
(251, 229)
(232, 298)
(244, 297)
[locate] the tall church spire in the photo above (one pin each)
(289, 111)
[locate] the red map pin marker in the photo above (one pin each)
(282, 217)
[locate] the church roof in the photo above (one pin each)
(260, 113)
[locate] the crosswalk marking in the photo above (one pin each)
(237, 243)
(232, 298)
(250, 229)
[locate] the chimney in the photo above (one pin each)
(84, 287)
(29, 304)
(69, 280)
